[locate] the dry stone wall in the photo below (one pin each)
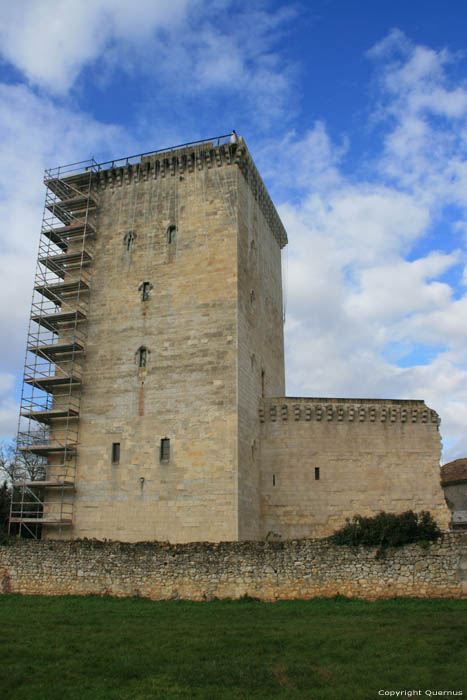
(266, 570)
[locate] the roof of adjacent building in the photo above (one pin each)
(454, 472)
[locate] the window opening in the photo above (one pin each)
(165, 450)
(142, 357)
(115, 452)
(171, 234)
(129, 239)
(262, 382)
(145, 291)
(273, 479)
(316, 473)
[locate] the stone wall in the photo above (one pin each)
(265, 570)
(325, 460)
(260, 343)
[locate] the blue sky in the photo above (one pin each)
(356, 115)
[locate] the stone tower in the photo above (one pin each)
(153, 405)
(157, 327)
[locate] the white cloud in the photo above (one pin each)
(52, 40)
(9, 408)
(180, 46)
(36, 134)
(353, 291)
(425, 146)
(401, 289)
(359, 309)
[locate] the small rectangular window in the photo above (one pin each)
(316, 473)
(145, 291)
(273, 479)
(165, 450)
(115, 452)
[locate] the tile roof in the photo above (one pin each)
(454, 471)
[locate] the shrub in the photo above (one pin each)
(388, 530)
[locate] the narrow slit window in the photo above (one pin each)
(142, 357)
(145, 291)
(316, 473)
(262, 382)
(115, 452)
(273, 479)
(171, 234)
(129, 240)
(165, 450)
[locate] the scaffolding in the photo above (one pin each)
(50, 401)
(47, 443)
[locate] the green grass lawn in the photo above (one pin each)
(131, 649)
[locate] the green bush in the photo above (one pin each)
(388, 530)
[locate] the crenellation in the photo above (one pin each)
(377, 411)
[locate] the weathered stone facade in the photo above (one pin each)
(265, 570)
(325, 460)
(184, 351)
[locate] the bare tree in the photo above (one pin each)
(20, 465)
(7, 462)
(17, 466)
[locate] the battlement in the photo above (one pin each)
(177, 161)
(346, 410)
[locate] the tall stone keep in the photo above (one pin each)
(157, 327)
(154, 403)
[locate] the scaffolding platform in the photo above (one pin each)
(41, 521)
(57, 290)
(64, 182)
(54, 320)
(72, 231)
(47, 484)
(52, 382)
(49, 448)
(71, 209)
(60, 264)
(51, 414)
(54, 350)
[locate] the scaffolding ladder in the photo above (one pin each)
(47, 442)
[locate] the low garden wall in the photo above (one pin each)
(265, 570)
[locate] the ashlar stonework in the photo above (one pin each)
(175, 390)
